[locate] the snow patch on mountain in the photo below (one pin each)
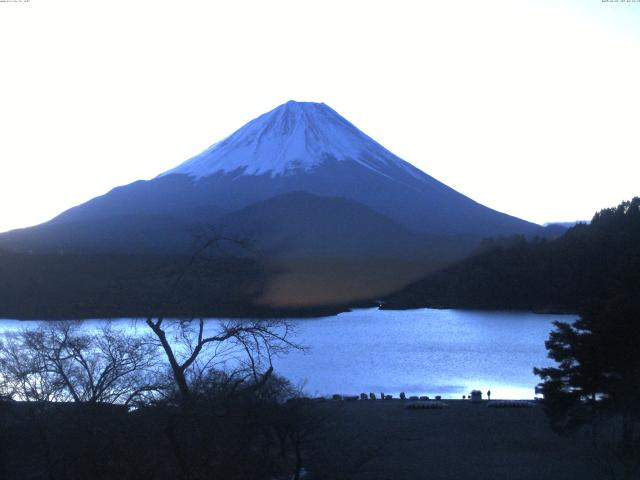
(295, 137)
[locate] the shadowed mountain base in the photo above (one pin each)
(316, 282)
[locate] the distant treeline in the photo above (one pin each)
(589, 263)
(164, 401)
(68, 286)
(77, 286)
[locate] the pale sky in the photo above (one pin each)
(529, 107)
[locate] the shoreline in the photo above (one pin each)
(383, 440)
(395, 400)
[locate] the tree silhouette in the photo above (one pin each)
(598, 374)
(63, 362)
(249, 344)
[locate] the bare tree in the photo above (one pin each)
(61, 361)
(222, 372)
(24, 376)
(243, 348)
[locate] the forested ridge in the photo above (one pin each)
(69, 286)
(590, 263)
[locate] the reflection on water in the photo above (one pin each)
(421, 352)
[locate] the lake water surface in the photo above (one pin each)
(421, 352)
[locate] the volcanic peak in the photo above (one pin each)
(295, 137)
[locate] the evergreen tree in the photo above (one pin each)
(598, 374)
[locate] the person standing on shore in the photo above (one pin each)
(488, 394)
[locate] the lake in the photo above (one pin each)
(421, 352)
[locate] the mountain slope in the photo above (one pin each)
(310, 147)
(300, 224)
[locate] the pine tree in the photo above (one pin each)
(598, 374)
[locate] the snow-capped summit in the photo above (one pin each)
(293, 138)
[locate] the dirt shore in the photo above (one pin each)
(385, 440)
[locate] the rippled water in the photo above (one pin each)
(421, 352)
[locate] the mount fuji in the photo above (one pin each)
(296, 147)
(305, 185)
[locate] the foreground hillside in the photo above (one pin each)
(590, 262)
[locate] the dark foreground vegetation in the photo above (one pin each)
(191, 400)
(589, 263)
(220, 436)
(257, 437)
(174, 400)
(596, 382)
